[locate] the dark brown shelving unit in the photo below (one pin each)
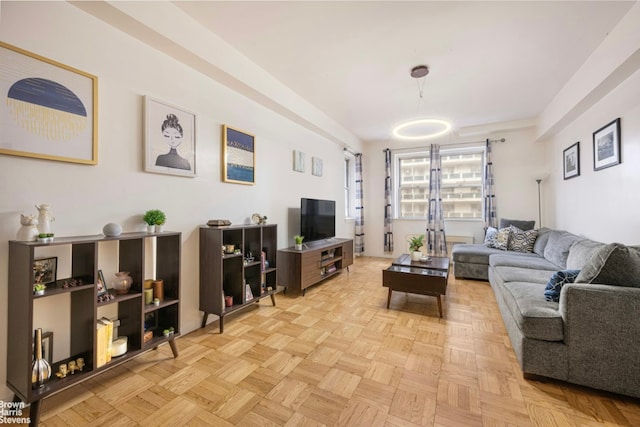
(132, 312)
(316, 262)
(223, 274)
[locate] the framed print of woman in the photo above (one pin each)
(169, 139)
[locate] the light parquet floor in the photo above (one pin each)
(338, 357)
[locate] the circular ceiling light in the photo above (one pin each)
(421, 129)
(419, 71)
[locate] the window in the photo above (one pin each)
(349, 186)
(461, 190)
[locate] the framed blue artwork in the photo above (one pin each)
(238, 156)
(51, 109)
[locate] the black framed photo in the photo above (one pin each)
(606, 146)
(571, 161)
(45, 270)
(101, 285)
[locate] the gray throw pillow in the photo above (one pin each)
(613, 264)
(522, 225)
(581, 252)
(557, 248)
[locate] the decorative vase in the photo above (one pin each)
(151, 228)
(29, 230)
(122, 283)
(228, 301)
(159, 228)
(112, 229)
(416, 255)
(40, 368)
(44, 218)
(158, 289)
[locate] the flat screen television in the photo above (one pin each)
(317, 219)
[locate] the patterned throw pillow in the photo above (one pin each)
(501, 241)
(490, 235)
(555, 283)
(522, 241)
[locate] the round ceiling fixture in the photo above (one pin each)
(421, 129)
(419, 71)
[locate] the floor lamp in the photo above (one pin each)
(539, 180)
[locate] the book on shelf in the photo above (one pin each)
(248, 295)
(331, 268)
(108, 338)
(101, 344)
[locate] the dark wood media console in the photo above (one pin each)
(316, 262)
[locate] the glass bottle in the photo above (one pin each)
(40, 369)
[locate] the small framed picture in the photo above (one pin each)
(238, 156)
(299, 159)
(606, 146)
(101, 286)
(571, 161)
(316, 166)
(45, 270)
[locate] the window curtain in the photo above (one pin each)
(388, 215)
(436, 238)
(490, 219)
(359, 233)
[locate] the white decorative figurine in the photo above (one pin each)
(29, 230)
(44, 218)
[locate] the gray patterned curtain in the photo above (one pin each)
(436, 239)
(490, 219)
(388, 215)
(359, 234)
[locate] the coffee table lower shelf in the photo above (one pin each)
(422, 281)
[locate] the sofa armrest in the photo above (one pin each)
(602, 333)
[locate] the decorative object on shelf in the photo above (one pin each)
(218, 222)
(316, 166)
(39, 288)
(168, 332)
(45, 270)
(52, 106)
(72, 367)
(298, 239)
(101, 285)
(112, 229)
(80, 363)
(148, 336)
(40, 368)
(28, 231)
(156, 301)
(248, 295)
(44, 218)
(606, 146)
(45, 237)
(148, 296)
(299, 159)
(119, 346)
(571, 161)
(62, 371)
(122, 282)
(415, 243)
(170, 139)
(229, 249)
(154, 218)
(238, 156)
(158, 289)
(228, 301)
(258, 219)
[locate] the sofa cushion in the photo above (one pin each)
(581, 252)
(557, 248)
(522, 225)
(519, 259)
(520, 240)
(541, 240)
(613, 264)
(504, 274)
(501, 241)
(490, 235)
(537, 319)
(472, 253)
(555, 283)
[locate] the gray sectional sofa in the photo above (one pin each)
(591, 336)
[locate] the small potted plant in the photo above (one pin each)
(38, 288)
(298, 239)
(415, 243)
(166, 333)
(45, 237)
(154, 219)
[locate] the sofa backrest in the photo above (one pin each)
(557, 248)
(581, 252)
(541, 240)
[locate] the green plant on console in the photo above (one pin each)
(416, 242)
(298, 239)
(38, 287)
(154, 217)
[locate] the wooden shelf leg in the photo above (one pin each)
(221, 324)
(174, 349)
(34, 413)
(439, 306)
(204, 319)
(273, 299)
(389, 297)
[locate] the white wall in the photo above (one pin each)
(517, 163)
(84, 198)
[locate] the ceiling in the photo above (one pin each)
(490, 62)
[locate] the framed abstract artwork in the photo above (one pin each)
(606, 146)
(170, 139)
(238, 156)
(316, 166)
(299, 160)
(571, 161)
(51, 109)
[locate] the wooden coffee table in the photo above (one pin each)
(417, 277)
